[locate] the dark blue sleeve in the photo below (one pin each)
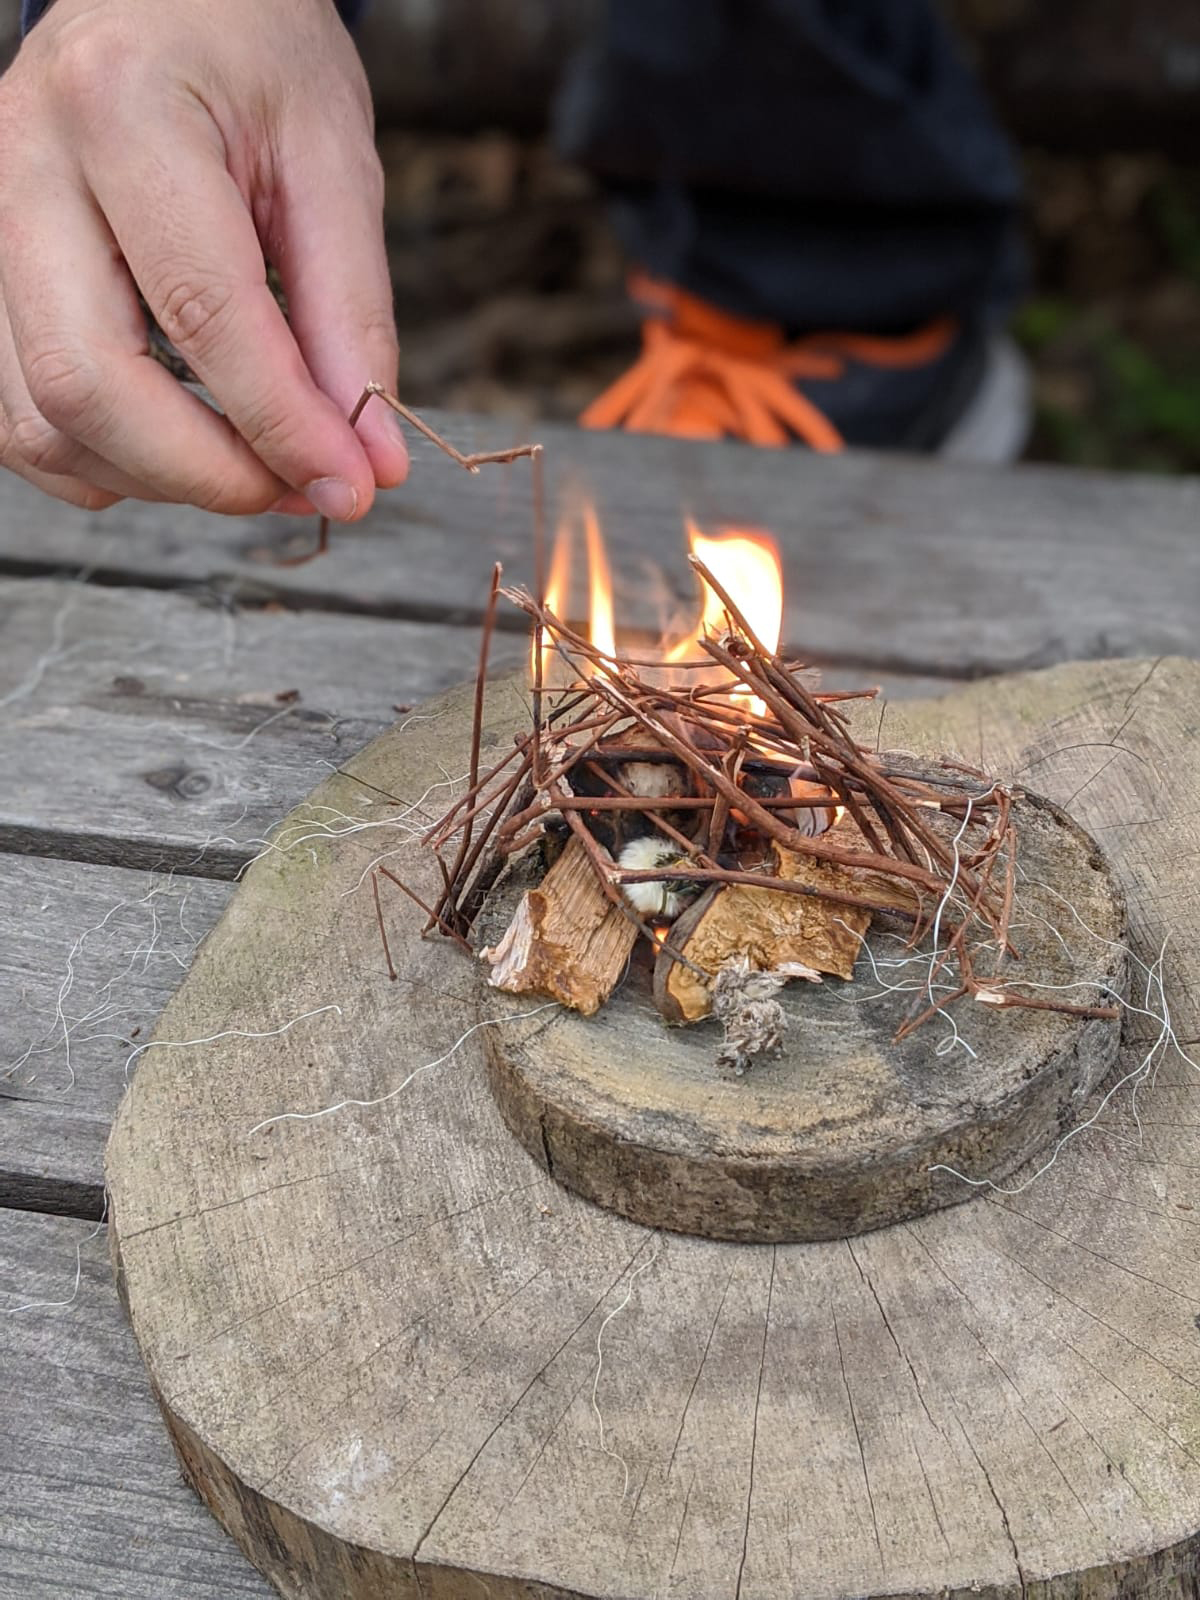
(31, 10)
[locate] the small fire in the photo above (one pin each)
(601, 624)
(746, 565)
(744, 562)
(558, 588)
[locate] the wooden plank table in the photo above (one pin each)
(167, 693)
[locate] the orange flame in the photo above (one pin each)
(601, 624)
(746, 565)
(601, 627)
(744, 562)
(558, 586)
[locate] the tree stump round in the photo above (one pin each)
(847, 1129)
(398, 1359)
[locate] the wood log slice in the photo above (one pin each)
(397, 1359)
(845, 1130)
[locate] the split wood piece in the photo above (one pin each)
(900, 895)
(768, 926)
(566, 939)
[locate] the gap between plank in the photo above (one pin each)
(56, 1197)
(223, 862)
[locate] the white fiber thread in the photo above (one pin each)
(605, 1448)
(341, 1105)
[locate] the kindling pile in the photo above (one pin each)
(708, 806)
(722, 815)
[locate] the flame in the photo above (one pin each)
(601, 628)
(558, 586)
(746, 565)
(744, 562)
(601, 622)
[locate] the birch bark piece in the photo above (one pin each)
(397, 1359)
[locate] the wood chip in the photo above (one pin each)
(770, 927)
(566, 939)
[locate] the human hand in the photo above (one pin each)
(170, 144)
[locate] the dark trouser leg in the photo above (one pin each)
(814, 163)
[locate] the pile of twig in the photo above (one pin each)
(942, 841)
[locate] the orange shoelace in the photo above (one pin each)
(704, 374)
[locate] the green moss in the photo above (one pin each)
(1040, 321)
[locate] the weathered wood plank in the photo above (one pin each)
(147, 729)
(92, 1506)
(194, 643)
(88, 958)
(890, 561)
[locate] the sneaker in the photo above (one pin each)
(705, 374)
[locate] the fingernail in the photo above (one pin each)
(333, 497)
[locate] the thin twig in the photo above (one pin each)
(485, 644)
(757, 880)
(387, 949)
(435, 920)
(472, 463)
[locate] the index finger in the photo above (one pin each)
(190, 242)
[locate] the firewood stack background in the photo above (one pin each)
(510, 292)
(509, 286)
